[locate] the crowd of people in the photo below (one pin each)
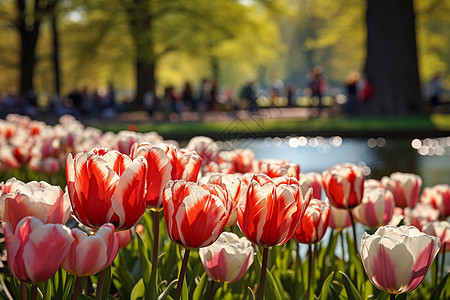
(208, 96)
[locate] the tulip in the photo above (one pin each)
(376, 208)
(339, 218)
(125, 236)
(439, 197)
(404, 186)
(314, 180)
(397, 258)
(158, 172)
(420, 215)
(344, 185)
(186, 164)
(36, 250)
(440, 229)
(89, 255)
(106, 186)
(228, 258)
(235, 186)
(207, 148)
(276, 168)
(271, 210)
(195, 214)
(46, 202)
(314, 223)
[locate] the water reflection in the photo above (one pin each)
(430, 158)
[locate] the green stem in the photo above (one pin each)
(211, 290)
(443, 261)
(310, 270)
(33, 291)
(341, 237)
(23, 291)
(262, 280)
(153, 279)
(354, 231)
(181, 277)
(436, 269)
(100, 283)
(77, 288)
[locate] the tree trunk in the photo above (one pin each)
(56, 66)
(28, 41)
(391, 62)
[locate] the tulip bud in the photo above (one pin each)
(404, 186)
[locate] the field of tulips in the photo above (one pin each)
(94, 215)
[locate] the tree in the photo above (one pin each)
(391, 62)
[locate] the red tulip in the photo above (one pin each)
(404, 186)
(314, 223)
(271, 210)
(106, 186)
(195, 214)
(186, 164)
(344, 185)
(89, 255)
(36, 250)
(158, 172)
(46, 202)
(205, 147)
(276, 168)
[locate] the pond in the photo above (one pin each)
(429, 158)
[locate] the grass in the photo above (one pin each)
(422, 126)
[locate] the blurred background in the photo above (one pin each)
(55, 52)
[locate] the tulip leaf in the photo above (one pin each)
(166, 292)
(325, 287)
(352, 292)
(274, 290)
(184, 290)
(84, 297)
(107, 282)
(138, 291)
(249, 292)
(442, 290)
(143, 259)
(199, 292)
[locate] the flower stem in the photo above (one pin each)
(33, 291)
(443, 260)
(392, 296)
(23, 291)
(153, 279)
(77, 288)
(341, 237)
(101, 281)
(310, 270)
(181, 276)
(354, 231)
(211, 290)
(436, 269)
(262, 280)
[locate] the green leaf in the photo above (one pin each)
(84, 297)
(107, 282)
(200, 289)
(251, 295)
(138, 291)
(352, 292)
(166, 292)
(440, 291)
(326, 286)
(274, 289)
(143, 259)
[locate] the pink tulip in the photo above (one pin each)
(228, 258)
(440, 229)
(397, 258)
(339, 218)
(439, 197)
(89, 255)
(46, 202)
(344, 185)
(314, 180)
(125, 236)
(158, 172)
(36, 250)
(376, 208)
(404, 186)
(420, 215)
(207, 148)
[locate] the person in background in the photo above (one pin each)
(435, 89)
(351, 86)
